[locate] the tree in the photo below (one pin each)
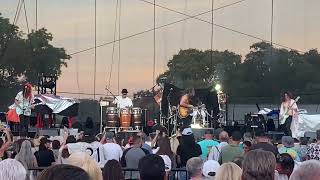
(22, 59)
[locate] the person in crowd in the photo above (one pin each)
(152, 167)
(26, 156)
(4, 146)
(118, 140)
(215, 152)
(285, 166)
(263, 142)
(64, 171)
(246, 146)
(247, 137)
(161, 131)
(194, 168)
(207, 143)
(143, 137)
(229, 171)
(209, 170)
(259, 165)
(165, 150)
(175, 141)
(131, 157)
(288, 147)
(229, 152)
(238, 161)
(84, 161)
(63, 151)
(188, 148)
(111, 149)
(45, 156)
(11, 169)
(112, 170)
(303, 149)
(308, 170)
(314, 148)
(55, 148)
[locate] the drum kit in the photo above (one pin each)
(124, 118)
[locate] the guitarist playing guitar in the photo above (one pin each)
(23, 105)
(288, 110)
(185, 103)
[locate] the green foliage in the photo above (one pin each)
(22, 59)
(261, 75)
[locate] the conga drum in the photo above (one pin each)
(136, 117)
(112, 117)
(125, 117)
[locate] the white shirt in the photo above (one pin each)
(112, 151)
(123, 102)
(23, 103)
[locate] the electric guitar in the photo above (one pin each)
(26, 108)
(285, 115)
(184, 112)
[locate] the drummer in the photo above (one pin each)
(123, 101)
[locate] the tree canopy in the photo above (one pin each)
(24, 56)
(263, 73)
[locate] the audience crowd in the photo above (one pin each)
(108, 156)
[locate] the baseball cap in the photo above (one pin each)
(187, 132)
(210, 168)
(167, 162)
(287, 141)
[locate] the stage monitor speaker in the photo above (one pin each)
(311, 135)
(49, 132)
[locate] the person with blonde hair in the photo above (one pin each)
(229, 171)
(84, 161)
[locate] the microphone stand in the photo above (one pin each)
(115, 97)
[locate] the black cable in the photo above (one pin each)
(221, 26)
(211, 54)
(159, 27)
(119, 61)
(113, 45)
(26, 16)
(95, 49)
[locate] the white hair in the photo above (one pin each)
(11, 169)
(25, 156)
(308, 170)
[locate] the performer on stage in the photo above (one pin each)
(288, 116)
(186, 105)
(23, 105)
(123, 101)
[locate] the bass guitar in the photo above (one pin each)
(26, 108)
(285, 115)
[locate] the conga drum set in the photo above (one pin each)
(124, 118)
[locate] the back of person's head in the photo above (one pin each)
(25, 155)
(308, 170)
(258, 165)
(64, 171)
(194, 166)
(112, 171)
(137, 140)
(229, 171)
(71, 139)
(318, 134)
(188, 140)
(55, 144)
(164, 147)
(238, 161)
(224, 136)
(85, 162)
(142, 135)
(285, 164)
(304, 141)
(88, 138)
(152, 167)
(11, 169)
(236, 136)
(208, 134)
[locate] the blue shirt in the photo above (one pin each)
(205, 146)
